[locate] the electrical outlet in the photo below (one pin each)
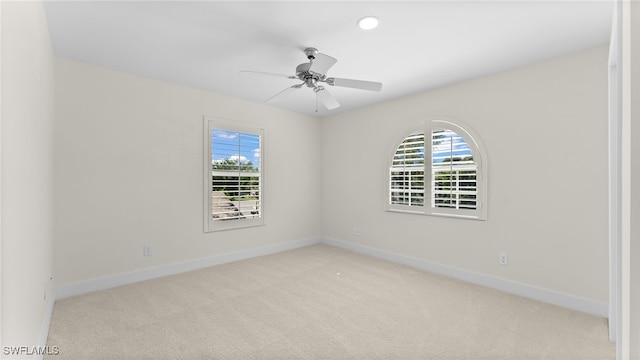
(357, 231)
(148, 250)
(503, 258)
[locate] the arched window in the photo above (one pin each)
(438, 169)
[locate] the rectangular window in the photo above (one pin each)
(233, 175)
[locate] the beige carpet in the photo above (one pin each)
(319, 302)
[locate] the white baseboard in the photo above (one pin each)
(108, 282)
(46, 323)
(512, 287)
(508, 286)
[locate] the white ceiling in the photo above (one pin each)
(419, 45)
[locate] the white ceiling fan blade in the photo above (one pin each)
(283, 93)
(355, 84)
(322, 63)
(247, 72)
(326, 98)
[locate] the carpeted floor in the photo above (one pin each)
(319, 302)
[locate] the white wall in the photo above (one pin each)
(634, 105)
(544, 128)
(27, 173)
(629, 346)
(128, 172)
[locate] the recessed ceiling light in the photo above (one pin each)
(368, 22)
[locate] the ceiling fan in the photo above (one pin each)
(315, 72)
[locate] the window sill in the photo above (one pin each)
(233, 224)
(438, 214)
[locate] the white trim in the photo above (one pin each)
(508, 286)
(206, 191)
(1, 241)
(108, 282)
(211, 123)
(512, 287)
(427, 126)
(615, 175)
(46, 323)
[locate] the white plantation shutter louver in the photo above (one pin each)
(234, 181)
(453, 172)
(449, 183)
(407, 172)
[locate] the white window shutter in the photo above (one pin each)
(448, 183)
(233, 180)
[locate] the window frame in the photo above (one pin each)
(427, 127)
(211, 225)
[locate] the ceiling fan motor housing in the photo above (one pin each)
(309, 77)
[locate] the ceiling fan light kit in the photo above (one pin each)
(315, 72)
